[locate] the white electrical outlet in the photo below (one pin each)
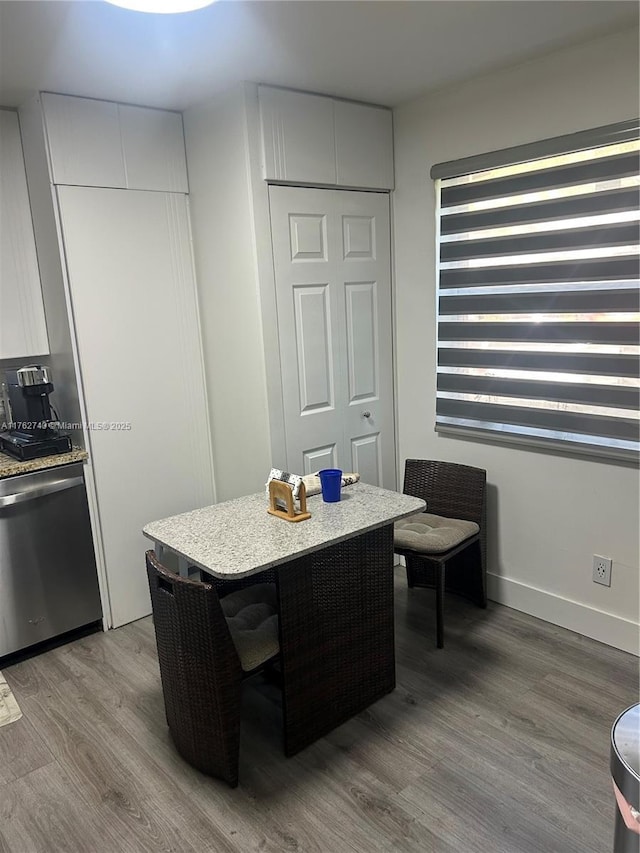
(602, 570)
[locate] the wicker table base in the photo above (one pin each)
(337, 637)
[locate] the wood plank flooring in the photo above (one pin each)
(499, 743)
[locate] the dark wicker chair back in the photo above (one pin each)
(200, 671)
(450, 489)
(453, 491)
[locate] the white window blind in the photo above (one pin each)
(538, 293)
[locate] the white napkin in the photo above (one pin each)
(313, 487)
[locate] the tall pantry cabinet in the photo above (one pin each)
(118, 183)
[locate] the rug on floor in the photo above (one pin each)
(9, 710)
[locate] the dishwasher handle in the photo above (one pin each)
(49, 489)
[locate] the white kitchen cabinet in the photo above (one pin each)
(102, 144)
(314, 139)
(297, 136)
(153, 146)
(120, 278)
(364, 145)
(84, 141)
(137, 333)
(23, 330)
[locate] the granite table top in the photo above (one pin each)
(10, 467)
(239, 538)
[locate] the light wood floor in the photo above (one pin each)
(499, 743)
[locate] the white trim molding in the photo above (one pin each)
(605, 627)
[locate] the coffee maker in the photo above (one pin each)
(33, 431)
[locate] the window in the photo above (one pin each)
(538, 293)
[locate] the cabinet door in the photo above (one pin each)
(84, 141)
(364, 146)
(102, 144)
(133, 293)
(23, 331)
(153, 145)
(297, 136)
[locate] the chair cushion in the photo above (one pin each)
(252, 617)
(432, 533)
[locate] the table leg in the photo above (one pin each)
(336, 634)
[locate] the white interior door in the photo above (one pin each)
(136, 324)
(333, 288)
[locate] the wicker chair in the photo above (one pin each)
(202, 668)
(451, 491)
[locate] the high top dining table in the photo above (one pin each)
(334, 576)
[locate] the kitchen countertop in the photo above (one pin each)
(10, 467)
(239, 538)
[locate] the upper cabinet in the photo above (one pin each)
(23, 330)
(364, 145)
(153, 149)
(102, 144)
(84, 141)
(297, 136)
(314, 139)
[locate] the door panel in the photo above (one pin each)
(363, 270)
(311, 349)
(319, 458)
(362, 341)
(366, 457)
(359, 237)
(314, 352)
(333, 288)
(308, 235)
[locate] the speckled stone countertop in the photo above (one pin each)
(10, 467)
(238, 538)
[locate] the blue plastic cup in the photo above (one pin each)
(331, 483)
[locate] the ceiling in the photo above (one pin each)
(369, 50)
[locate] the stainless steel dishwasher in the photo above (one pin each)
(48, 577)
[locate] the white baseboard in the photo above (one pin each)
(605, 627)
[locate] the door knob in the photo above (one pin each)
(366, 414)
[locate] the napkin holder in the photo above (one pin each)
(279, 491)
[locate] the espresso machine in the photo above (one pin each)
(33, 430)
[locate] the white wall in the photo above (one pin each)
(221, 214)
(549, 513)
